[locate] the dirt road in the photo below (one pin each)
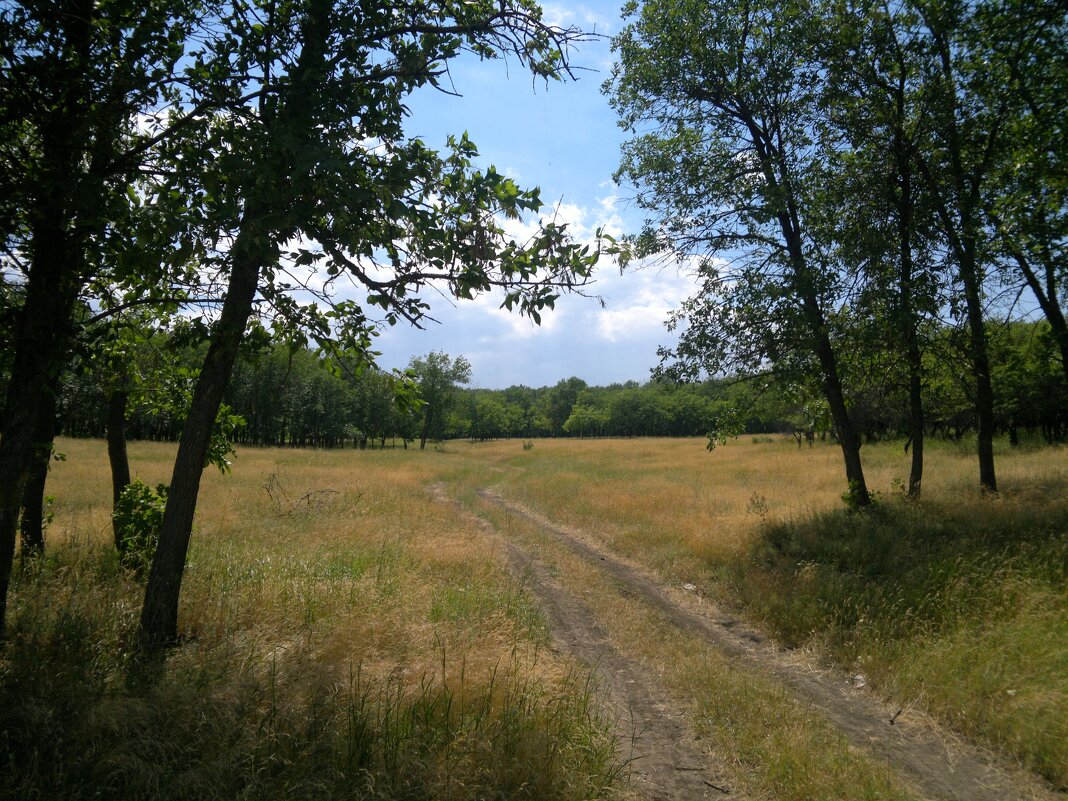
(666, 761)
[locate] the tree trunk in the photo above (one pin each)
(907, 321)
(776, 174)
(57, 266)
(159, 615)
(1047, 301)
(984, 389)
(426, 428)
(31, 526)
(41, 344)
(117, 456)
(255, 247)
(848, 439)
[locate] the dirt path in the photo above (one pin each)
(665, 763)
(934, 763)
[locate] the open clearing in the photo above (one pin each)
(668, 763)
(441, 577)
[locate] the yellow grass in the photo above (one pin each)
(346, 587)
(319, 578)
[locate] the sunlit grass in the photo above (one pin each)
(763, 741)
(957, 605)
(343, 635)
(343, 629)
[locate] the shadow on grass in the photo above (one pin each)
(959, 608)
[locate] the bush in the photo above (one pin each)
(138, 515)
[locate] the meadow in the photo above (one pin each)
(347, 634)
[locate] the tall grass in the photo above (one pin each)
(366, 645)
(957, 610)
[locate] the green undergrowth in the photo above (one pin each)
(959, 610)
(261, 702)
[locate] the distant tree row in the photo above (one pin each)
(293, 396)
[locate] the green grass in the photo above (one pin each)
(956, 609)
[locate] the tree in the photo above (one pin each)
(722, 100)
(561, 400)
(437, 376)
(78, 80)
(1018, 65)
(877, 123)
(317, 176)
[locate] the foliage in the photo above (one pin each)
(138, 514)
(437, 377)
(293, 396)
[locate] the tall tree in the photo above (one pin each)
(721, 98)
(76, 75)
(1024, 60)
(316, 176)
(876, 123)
(965, 58)
(437, 377)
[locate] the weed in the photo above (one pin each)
(138, 514)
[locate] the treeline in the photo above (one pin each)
(288, 396)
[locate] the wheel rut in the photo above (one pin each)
(665, 762)
(934, 763)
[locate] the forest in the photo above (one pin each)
(870, 200)
(295, 397)
(239, 559)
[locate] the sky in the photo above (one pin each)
(564, 139)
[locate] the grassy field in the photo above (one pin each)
(344, 635)
(956, 606)
(362, 642)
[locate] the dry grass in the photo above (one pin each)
(763, 742)
(369, 637)
(956, 606)
(342, 634)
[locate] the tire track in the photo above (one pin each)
(664, 762)
(934, 763)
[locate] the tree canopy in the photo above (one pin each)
(249, 159)
(834, 175)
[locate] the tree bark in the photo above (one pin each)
(31, 526)
(266, 214)
(41, 344)
(907, 319)
(984, 388)
(159, 615)
(117, 456)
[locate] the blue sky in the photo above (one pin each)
(563, 138)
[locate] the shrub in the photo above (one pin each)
(138, 515)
